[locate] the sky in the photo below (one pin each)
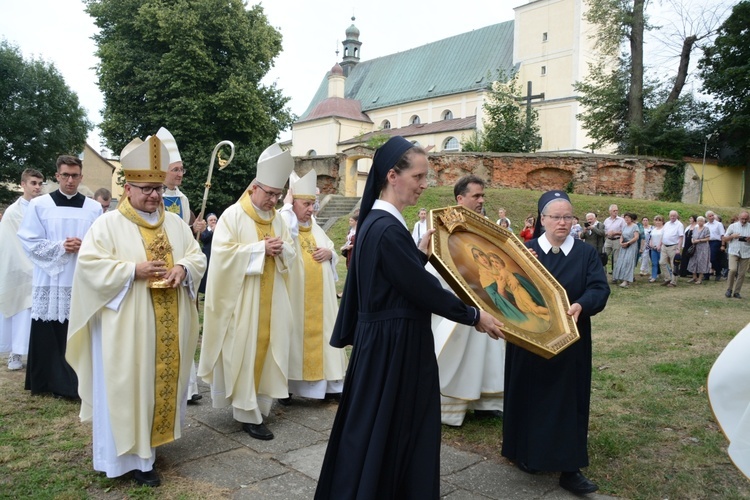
(59, 31)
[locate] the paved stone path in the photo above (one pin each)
(215, 450)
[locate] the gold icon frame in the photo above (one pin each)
(515, 287)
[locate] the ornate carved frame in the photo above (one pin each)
(460, 239)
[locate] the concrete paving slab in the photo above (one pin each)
(496, 480)
(453, 460)
(315, 414)
(197, 441)
(462, 495)
(290, 486)
(307, 460)
(288, 436)
(219, 419)
(232, 469)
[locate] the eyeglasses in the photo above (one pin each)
(270, 195)
(67, 176)
(147, 190)
(180, 170)
(558, 218)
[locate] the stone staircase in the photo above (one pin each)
(332, 207)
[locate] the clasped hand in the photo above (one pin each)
(157, 269)
(274, 246)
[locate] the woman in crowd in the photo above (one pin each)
(385, 440)
(625, 264)
(576, 229)
(655, 246)
(687, 242)
(528, 228)
(700, 260)
(347, 250)
(645, 249)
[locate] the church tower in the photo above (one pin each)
(351, 48)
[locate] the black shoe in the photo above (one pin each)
(150, 478)
(577, 483)
(285, 401)
(737, 296)
(728, 294)
(488, 414)
(194, 399)
(525, 468)
(64, 397)
(332, 396)
(258, 431)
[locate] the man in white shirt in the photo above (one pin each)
(613, 226)
(717, 231)
(16, 272)
(737, 237)
(671, 243)
(420, 227)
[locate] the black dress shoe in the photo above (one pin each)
(258, 431)
(737, 296)
(332, 396)
(728, 293)
(525, 468)
(150, 478)
(285, 401)
(577, 483)
(488, 414)
(194, 399)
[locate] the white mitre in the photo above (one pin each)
(274, 167)
(304, 188)
(169, 141)
(145, 161)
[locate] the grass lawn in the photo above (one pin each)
(652, 433)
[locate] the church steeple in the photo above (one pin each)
(351, 48)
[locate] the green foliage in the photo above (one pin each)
(40, 118)
(377, 140)
(726, 76)
(473, 143)
(673, 181)
(194, 67)
(509, 127)
(604, 98)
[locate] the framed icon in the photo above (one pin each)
(489, 267)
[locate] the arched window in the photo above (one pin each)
(450, 144)
(312, 152)
(356, 52)
(385, 125)
(447, 114)
(414, 120)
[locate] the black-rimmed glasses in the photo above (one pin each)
(147, 190)
(270, 195)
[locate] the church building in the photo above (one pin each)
(434, 94)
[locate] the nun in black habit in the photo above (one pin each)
(385, 441)
(546, 410)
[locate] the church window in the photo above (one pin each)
(544, 36)
(544, 70)
(346, 51)
(385, 125)
(356, 52)
(414, 120)
(447, 114)
(450, 144)
(312, 152)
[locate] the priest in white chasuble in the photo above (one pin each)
(316, 368)
(247, 318)
(134, 324)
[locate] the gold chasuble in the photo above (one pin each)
(264, 229)
(312, 364)
(164, 301)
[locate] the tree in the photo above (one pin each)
(726, 76)
(625, 107)
(40, 118)
(509, 126)
(194, 67)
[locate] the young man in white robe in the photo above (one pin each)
(247, 318)
(316, 369)
(134, 324)
(51, 233)
(471, 365)
(16, 273)
(176, 202)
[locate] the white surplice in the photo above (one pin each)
(16, 273)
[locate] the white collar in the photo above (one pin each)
(546, 246)
(151, 218)
(388, 207)
(68, 196)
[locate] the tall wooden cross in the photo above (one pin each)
(528, 98)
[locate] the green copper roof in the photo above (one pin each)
(449, 66)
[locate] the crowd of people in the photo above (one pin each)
(104, 304)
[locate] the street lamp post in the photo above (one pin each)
(703, 169)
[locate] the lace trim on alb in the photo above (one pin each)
(50, 256)
(50, 303)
